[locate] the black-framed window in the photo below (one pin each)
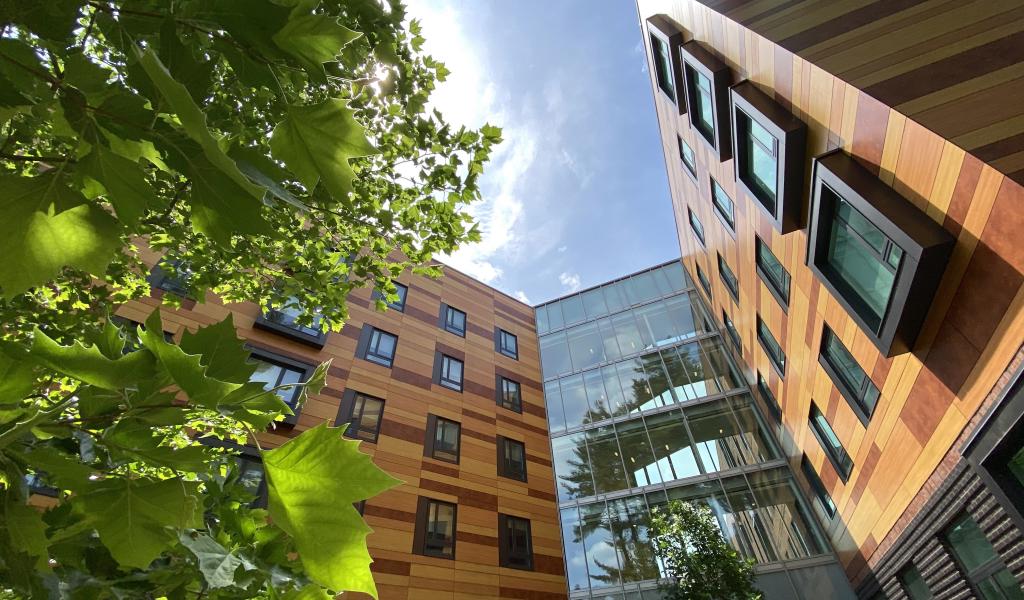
(508, 344)
(852, 381)
(707, 95)
(768, 397)
(511, 458)
(730, 329)
(771, 271)
(818, 487)
(723, 204)
(913, 584)
(362, 415)
(130, 332)
(771, 347)
(510, 394)
(688, 158)
(704, 281)
(379, 346)
(696, 225)
(286, 320)
(768, 148)
(453, 320)
(443, 439)
(666, 37)
(171, 276)
(515, 546)
(401, 290)
(830, 443)
(979, 562)
(996, 452)
(251, 476)
(729, 278)
(877, 253)
(274, 370)
(449, 372)
(436, 524)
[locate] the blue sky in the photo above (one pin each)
(577, 193)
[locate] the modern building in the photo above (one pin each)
(444, 390)
(847, 184)
(645, 405)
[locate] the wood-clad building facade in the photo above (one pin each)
(466, 474)
(892, 372)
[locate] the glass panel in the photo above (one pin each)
(596, 397)
(663, 66)
(830, 442)
(658, 389)
(671, 443)
(553, 400)
(630, 522)
(572, 467)
(913, 584)
(594, 304)
(611, 344)
(572, 310)
(602, 558)
(969, 543)
(704, 111)
(702, 381)
(440, 529)
(446, 440)
(681, 309)
(572, 542)
(574, 400)
(774, 273)
(554, 353)
(641, 288)
(723, 203)
(761, 161)
(726, 440)
(720, 366)
(1007, 584)
(288, 315)
(626, 333)
(641, 466)
(696, 225)
(615, 297)
(542, 320)
(612, 387)
(688, 157)
(676, 276)
(661, 281)
(1016, 466)
(850, 373)
(634, 385)
(656, 326)
(770, 514)
(818, 486)
(677, 374)
(555, 316)
(585, 346)
(609, 474)
(771, 346)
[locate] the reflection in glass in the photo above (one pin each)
(615, 296)
(574, 400)
(542, 320)
(596, 397)
(611, 346)
(572, 310)
(616, 397)
(605, 460)
(641, 288)
(572, 542)
(630, 522)
(641, 466)
(554, 354)
(572, 467)
(595, 533)
(658, 391)
(585, 346)
(553, 401)
(671, 443)
(627, 334)
(726, 440)
(634, 385)
(594, 304)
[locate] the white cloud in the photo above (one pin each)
(571, 281)
(563, 248)
(521, 296)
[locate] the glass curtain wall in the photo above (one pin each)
(645, 405)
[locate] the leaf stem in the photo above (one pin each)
(14, 433)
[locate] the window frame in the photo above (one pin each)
(853, 397)
(265, 323)
(764, 331)
(429, 449)
(363, 349)
(697, 228)
(505, 553)
(260, 353)
(729, 220)
(503, 465)
(843, 472)
(499, 397)
(768, 396)
(671, 34)
(732, 332)
(346, 412)
(790, 135)
(986, 570)
(158, 275)
(781, 296)
(439, 375)
(925, 244)
(818, 487)
(734, 287)
(403, 296)
(447, 310)
(901, 580)
(705, 283)
(499, 345)
(696, 59)
(422, 522)
(691, 170)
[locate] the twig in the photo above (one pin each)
(27, 158)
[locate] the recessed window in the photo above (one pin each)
(663, 67)
(997, 451)
(880, 255)
(511, 458)
(508, 344)
(704, 281)
(510, 394)
(768, 397)
(829, 441)
(707, 88)
(450, 372)
(379, 346)
(696, 226)
(514, 543)
(666, 37)
(850, 378)
(913, 584)
(723, 204)
(286, 320)
(728, 278)
(771, 271)
(279, 372)
(399, 304)
(773, 176)
(688, 158)
(442, 439)
(435, 528)
(771, 347)
(979, 562)
(730, 329)
(818, 487)
(361, 414)
(453, 320)
(171, 276)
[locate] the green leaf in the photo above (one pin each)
(52, 20)
(312, 480)
(315, 383)
(48, 226)
(86, 75)
(125, 183)
(316, 142)
(26, 528)
(215, 562)
(17, 374)
(88, 364)
(310, 592)
(63, 469)
(134, 518)
(222, 352)
(110, 339)
(186, 370)
(314, 39)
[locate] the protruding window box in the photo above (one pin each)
(284, 321)
(879, 255)
(707, 96)
(666, 37)
(768, 145)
